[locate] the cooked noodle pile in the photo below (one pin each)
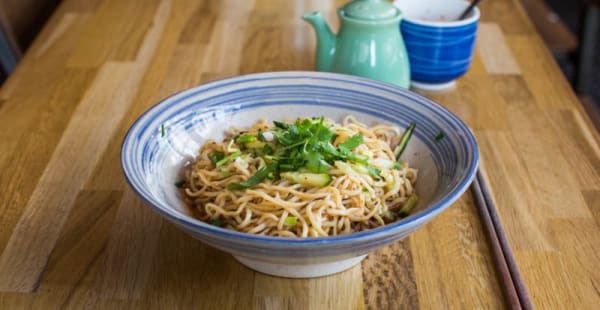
(347, 181)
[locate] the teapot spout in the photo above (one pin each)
(325, 40)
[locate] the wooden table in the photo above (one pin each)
(73, 235)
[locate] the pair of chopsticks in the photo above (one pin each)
(511, 281)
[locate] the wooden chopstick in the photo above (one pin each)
(511, 280)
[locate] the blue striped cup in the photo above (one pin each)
(440, 47)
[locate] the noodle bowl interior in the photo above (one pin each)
(305, 177)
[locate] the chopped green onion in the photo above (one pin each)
(247, 138)
(230, 147)
(162, 130)
(398, 165)
(404, 140)
(260, 175)
(374, 172)
(216, 156)
(290, 221)
(228, 158)
(280, 125)
(216, 222)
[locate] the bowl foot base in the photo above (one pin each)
(300, 271)
(434, 87)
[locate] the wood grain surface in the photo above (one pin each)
(73, 235)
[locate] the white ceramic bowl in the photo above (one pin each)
(152, 161)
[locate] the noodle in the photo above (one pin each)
(366, 189)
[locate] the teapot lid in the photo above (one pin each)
(370, 9)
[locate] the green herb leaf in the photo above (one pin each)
(284, 138)
(329, 150)
(290, 221)
(321, 131)
(439, 136)
(293, 129)
(315, 163)
(267, 149)
(280, 125)
(352, 142)
(216, 222)
(216, 156)
(333, 137)
(260, 175)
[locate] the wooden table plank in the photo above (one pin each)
(440, 261)
(389, 278)
(73, 235)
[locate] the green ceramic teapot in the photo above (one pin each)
(368, 43)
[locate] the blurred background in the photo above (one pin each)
(570, 29)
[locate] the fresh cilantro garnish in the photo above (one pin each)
(267, 149)
(306, 144)
(352, 142)
(280, 125)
